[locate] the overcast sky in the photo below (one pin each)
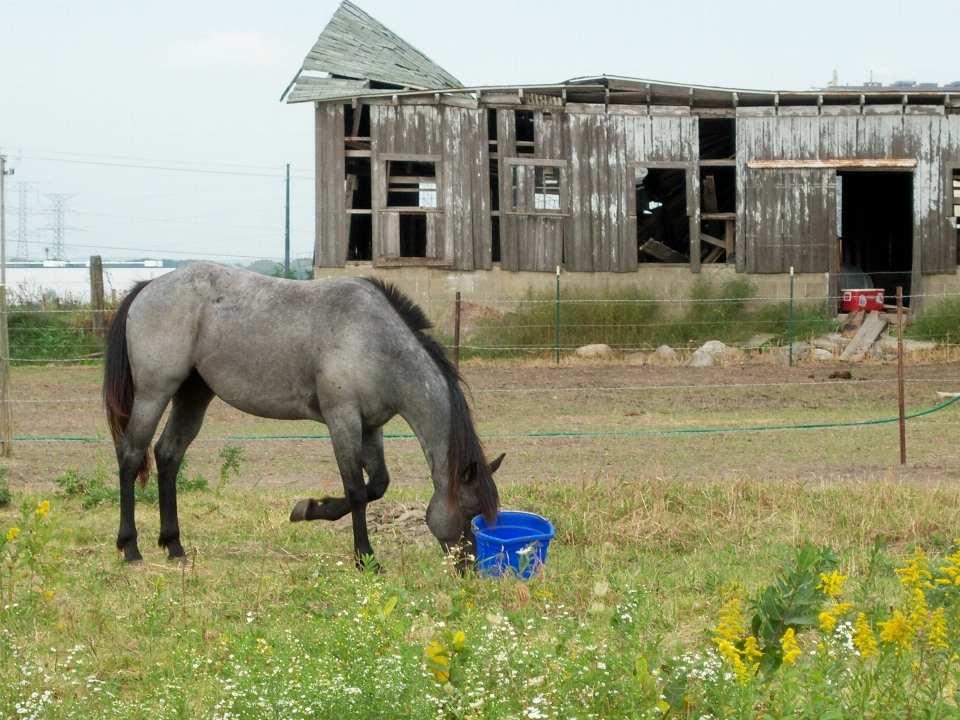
(108, 92)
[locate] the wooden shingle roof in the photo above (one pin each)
(355, 47)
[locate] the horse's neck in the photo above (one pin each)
(429, 417)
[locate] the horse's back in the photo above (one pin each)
(272, 347)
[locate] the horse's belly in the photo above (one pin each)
(266, 397)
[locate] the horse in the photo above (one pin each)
(348, 352)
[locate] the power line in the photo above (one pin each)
(161, 167)
(148, 160)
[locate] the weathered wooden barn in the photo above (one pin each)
(609, 176)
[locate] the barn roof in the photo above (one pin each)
(355, 56)
(361, 56)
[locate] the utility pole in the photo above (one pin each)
(286, 244)
(3, 222)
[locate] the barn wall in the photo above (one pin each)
(330, 246)
(882, 132)
(602, 143)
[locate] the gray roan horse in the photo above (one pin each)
(348, 352)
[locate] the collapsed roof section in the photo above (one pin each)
(356, 55)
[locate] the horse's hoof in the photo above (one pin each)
(299, 513)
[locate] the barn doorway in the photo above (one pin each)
(876, 227)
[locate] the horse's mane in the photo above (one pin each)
(465, 451)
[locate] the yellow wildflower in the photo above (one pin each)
(791, 651)
(842, 608)
(832, 584)
(863, 639)
(937, 632)
(731, 626)
(917, 605)
(828, 621)
(43, 508)
(952, 569)
(896, 630)
(728, 633)
(916, 574)
(437, 661)
(12, 534)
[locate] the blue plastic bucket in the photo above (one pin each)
(516, 543)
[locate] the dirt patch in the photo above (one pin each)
(553, 421)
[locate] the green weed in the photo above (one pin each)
(633, 320)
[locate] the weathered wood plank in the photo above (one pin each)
(662, 252)
(868, 334)
(330, 249)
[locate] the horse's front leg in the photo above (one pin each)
(346, 434)
(333, 508)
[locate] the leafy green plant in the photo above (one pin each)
(5, 495)
(793, 601)
(231, 458)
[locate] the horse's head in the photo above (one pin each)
(451, 522)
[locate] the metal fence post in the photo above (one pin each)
(791, 317)
(456, 333)
(558, 315)
(903, 421)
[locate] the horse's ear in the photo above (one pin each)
(495, 465)
(470, 473)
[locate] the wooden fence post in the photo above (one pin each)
(96, 294)
(6, 422)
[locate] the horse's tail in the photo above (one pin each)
(465, 459)
(118, 389)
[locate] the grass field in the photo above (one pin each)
(662, 543)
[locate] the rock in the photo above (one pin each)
(637, 358)
(800, 351)
(834, 342)
(876, 350)
(718, 350)
(663, 355)
(889, 346)
(594, 351)
(821, 354)
(755, 342)
(702, 359)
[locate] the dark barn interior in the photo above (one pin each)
(877, 227)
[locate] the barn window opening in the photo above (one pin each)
(356, 124)
(526, 141)
(718, 212)
(492, 131)
(955, 206)
(663, 223)
(495, 239)
(412, 184)
(718, 138)
(876, 217)
(536, 189)
(358, 197)
(546, 189)
(413, 235)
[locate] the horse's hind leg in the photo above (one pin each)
(372, 461)
(189, 406)
(131, 450)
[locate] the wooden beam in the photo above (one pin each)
(716, 242)
(834, 164)
(662, 252)
(713, 255)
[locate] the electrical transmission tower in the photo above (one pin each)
(23, 252)
(58, 210)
